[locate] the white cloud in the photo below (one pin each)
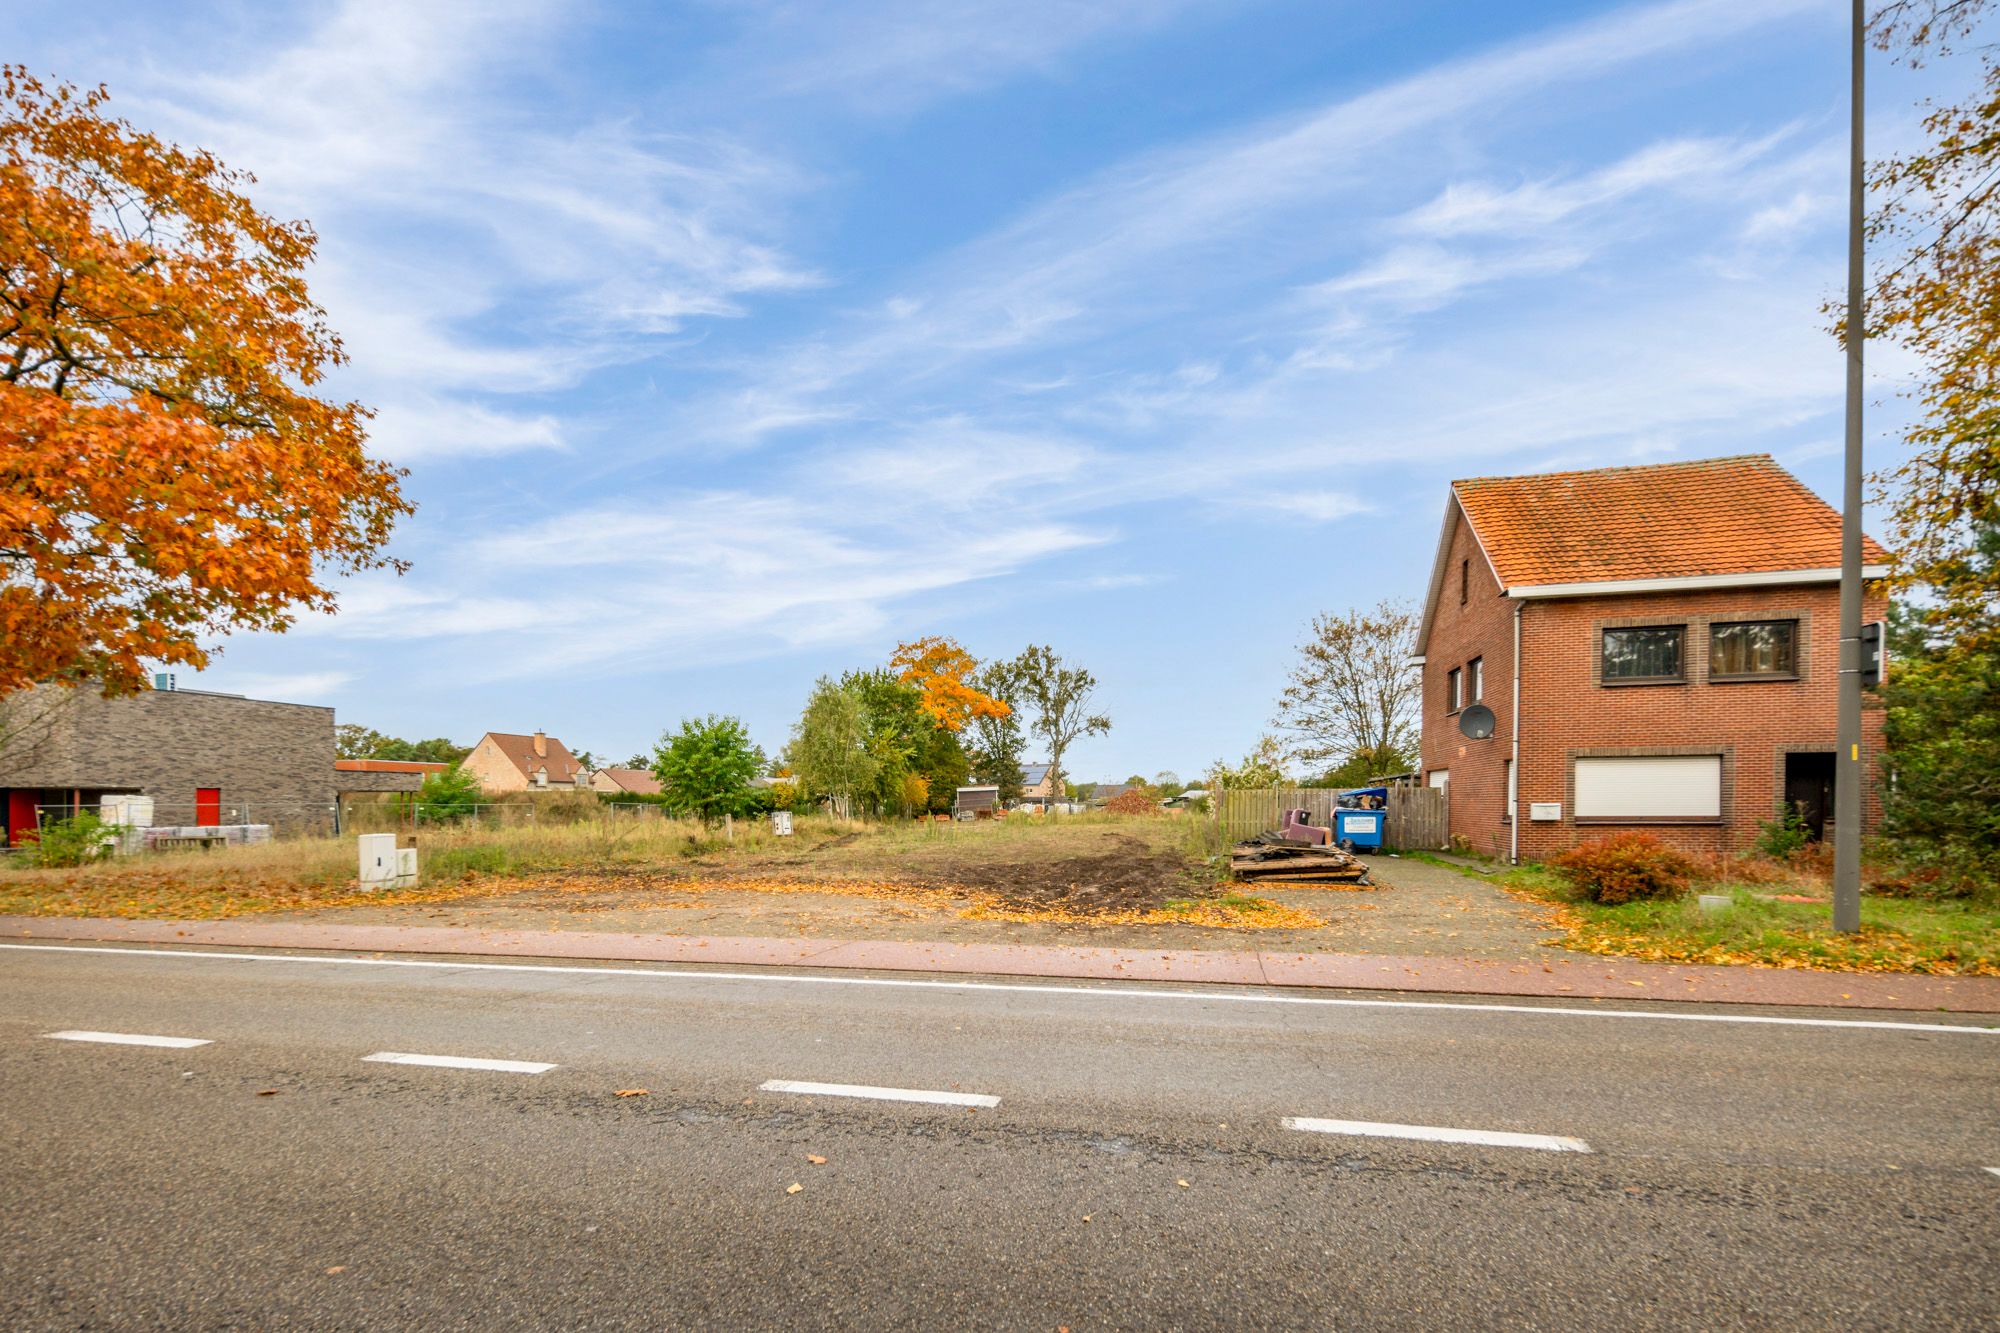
(302, 687)
(888, 56)
(446, 211)
(1313, 505)
(1163, 231)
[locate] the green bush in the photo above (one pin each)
(74, 842)
(448, 797)
(1624, 868)
(1783, 837)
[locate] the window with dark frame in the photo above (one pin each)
(1475, 682)
(1454, 681)
(1750, 649)
(1464, 581)
(1649, 653)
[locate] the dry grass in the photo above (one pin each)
(1106, 868)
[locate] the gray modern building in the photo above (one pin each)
(204, 758)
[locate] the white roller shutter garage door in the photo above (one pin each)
(1680, 786)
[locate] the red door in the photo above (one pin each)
(21, 816)
(208, 805)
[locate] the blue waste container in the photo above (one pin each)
(1359, 830)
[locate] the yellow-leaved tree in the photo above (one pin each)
(941, 671)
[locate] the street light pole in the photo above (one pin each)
(1849, 772)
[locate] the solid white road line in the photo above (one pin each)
(1094, 992)
(879, 1094)
(1492, 1138)
(460, 1062)
(129, 1039)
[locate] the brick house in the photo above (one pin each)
(1676, 628)
(204, 758)
(505, 762)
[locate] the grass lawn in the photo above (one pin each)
(1085, 869)
(1947, 937)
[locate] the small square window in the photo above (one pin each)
(1454, 690)
(1643, 653)
(1754, 648)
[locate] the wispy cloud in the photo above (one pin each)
(448, 215)
(1162, 232)
(892, 56)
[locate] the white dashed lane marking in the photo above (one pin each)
(1492, 1138)
(460, 1062)
(880, 1094)
(129, 1039)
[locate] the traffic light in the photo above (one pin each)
(1871, 653)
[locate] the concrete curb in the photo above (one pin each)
(1562, 976)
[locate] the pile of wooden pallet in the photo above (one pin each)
(1269, 859)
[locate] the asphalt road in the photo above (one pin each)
(1146, 1164)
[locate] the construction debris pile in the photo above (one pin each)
(1269, 859)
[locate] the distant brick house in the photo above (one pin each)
(1036, 789)
(1676, 628)
(625, 782)
(506, 762)
(204, 758)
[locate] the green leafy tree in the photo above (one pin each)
(897, 729)
(449, 797)
(945, 768)
(829, 746)
(1060, 696)
(353, 741)
(1941, 727)
(705, 768)
(995, 745)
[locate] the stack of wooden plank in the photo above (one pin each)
(1269, 859)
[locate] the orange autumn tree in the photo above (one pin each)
(167, 470)
(939, 669)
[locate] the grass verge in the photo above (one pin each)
(1938, 937)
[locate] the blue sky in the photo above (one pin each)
(730, 344)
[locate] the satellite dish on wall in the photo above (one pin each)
(1476, 722)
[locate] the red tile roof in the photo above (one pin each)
(638, 781)
(1740, 515)
(388, 766)
(520, 751)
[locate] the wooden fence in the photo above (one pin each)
(1417, 817)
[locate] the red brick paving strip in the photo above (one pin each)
(1558, 978)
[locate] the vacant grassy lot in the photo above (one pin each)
(1766, 924)
(1091, 869)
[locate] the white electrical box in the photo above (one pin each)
(781, 823)
(1545, 812)
(384, 865)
